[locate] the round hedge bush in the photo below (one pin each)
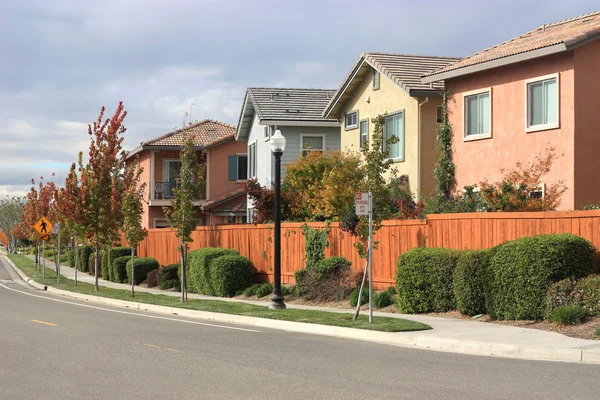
(522, 270)
(424, 280)
(468, 280)
(354, 297)
(141, 268)
(230, 274)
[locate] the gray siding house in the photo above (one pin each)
(298, 114)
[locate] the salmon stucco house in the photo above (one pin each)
(390, 84)
(511, 102)
(222, 199)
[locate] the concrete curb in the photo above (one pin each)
(402, 339)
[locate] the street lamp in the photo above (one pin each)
(277, 147)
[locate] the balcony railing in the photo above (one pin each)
(164, 190)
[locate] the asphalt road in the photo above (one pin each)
(73, 350)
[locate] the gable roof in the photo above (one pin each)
(283, 106)
(547, 39)
(237, 206)
(206, 133)
(403, 70)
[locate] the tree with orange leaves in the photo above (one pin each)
(521, 188)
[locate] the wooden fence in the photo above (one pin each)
(456, 231)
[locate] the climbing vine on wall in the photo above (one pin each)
(444, 168)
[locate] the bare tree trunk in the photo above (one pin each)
(97, 262)
(183, 268)
(76, 258)
(132, 273)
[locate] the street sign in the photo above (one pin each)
(45, 236)
(56, 228)
(43, 226)
(361, 203)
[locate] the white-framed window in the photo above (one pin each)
(238, 167)
(351, 120)
(268, 132)
(161, 223)
(364, 132)
(477, 114)
(313, 143)
(439, 117)
(376, 79)
(394, 127)
(542, 103)
(251, 161)
(539, 193)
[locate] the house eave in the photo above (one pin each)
(500, 62)
(317, 123)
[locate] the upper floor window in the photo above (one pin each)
(268, 131)
(238, 167)
(312, 143)
(394, 127)
(376, 79)
(364, 132)
(252, 160)
(477, 115)
(439, 117)
(542, 103)
(351, 120)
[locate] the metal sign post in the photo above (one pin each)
(44, 265)
(363, 203)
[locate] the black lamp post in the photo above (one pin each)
(277, 147)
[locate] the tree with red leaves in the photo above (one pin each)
(38, 203)
(103, 183)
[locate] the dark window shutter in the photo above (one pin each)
(233, 168)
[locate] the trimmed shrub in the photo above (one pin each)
(328, 280)
(83, 262)
(229, 273)
(263, 290)
(171, 284)
(71, 255)
(168, 273)
(119, 268)
(468, 281)
(105, 270)
(198, 275)
(112, 255)
(285, 291)
(251, 290)
(364, 299)
(569, 314)
(384, 298)
(92, 264)
(142, 267)
(152, 278)
(424, 280)
(589, 290)
(522, 270)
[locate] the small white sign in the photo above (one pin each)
(55, 228)
(361, 203)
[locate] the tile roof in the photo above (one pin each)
(289, 104)
(569, 32)
(205, 133)
(404, 70)
(226, 197)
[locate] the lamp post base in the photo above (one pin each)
(277, 304)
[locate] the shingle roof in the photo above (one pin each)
(404, 70)
(239, 205)
(204, 132)
(283, 104)
(569, 32)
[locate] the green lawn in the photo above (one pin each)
(385, 324)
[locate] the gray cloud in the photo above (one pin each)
(64, 59)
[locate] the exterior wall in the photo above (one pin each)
(429, 155)
(478, 160)
(389, 99)
(218, 165)
(263, 163)
(587, 105)
(144, 163)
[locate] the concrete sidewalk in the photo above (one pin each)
(452, 335)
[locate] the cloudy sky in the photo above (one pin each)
(62, 60)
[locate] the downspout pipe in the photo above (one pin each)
(419, 148)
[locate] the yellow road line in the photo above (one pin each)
(162, 348)
(43, 322)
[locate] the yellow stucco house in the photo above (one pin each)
(390, 84)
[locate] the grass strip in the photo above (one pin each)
(384, 324)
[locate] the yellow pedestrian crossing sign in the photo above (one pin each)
(43, 226)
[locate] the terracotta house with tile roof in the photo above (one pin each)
(390, 84)
(222, 200)
(511, 102)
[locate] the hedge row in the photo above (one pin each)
(142, 266)
(218, 272)
(509, 281)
